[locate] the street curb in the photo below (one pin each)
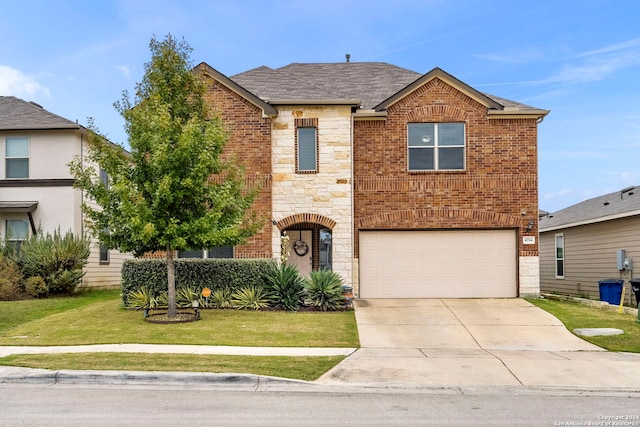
(259, 383)
(17, 375)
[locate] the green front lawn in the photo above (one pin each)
(97, 317)
(301, 368)
(575, 315)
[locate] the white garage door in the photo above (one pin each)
(438, 264)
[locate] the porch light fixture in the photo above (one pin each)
(529, 226)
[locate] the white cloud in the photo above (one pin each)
(612, 48)
(125, 70)
(14, 82)
(520, 56)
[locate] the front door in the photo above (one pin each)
(301, 250)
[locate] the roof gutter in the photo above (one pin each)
(508, 113)
(354, 102)
(591, 221)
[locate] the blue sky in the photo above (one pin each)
(579, 59)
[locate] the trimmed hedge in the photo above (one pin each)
(214, 274)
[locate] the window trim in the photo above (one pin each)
(103, 249)
(559, 259)
(8, 238)
(204, 253)
(7, 158)
(308, 123)
(436, 148)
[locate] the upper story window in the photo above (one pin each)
(306, 145)
(17, 157)
(436, 146)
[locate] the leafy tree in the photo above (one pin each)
(175, 190)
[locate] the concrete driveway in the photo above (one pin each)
(475, 342)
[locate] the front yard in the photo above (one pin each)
(98, 318)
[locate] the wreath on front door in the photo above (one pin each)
(300, 247)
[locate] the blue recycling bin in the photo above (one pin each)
(611, 290)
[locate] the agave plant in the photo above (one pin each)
(285, 286)
(323, 289)
(221, 298)
(186, 295)
(251, 297)
(139, 299)
(160, 301)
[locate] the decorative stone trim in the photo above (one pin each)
(436, 113)
(305, 217)
(437, 215)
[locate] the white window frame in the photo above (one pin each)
(8, 158)
(12, 239)
(436, 147)
(556, 257)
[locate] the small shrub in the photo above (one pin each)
(250, 297)
(323, 290)
(221, 298)
(286, 287)
(36, 287)
(10, 278)
(56, 258)
(10, 291)
(160, 301)
(186, 295)
(139, 299)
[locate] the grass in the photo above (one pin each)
(97, 317)
(106, 322)
(14, 313)
(575, 315)
(302, 368)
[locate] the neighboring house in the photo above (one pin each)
(36, 187)
(580, 245)
(408, 185)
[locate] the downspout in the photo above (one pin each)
(354, 285)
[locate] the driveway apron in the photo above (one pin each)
(475, 342)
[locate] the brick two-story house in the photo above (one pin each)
(408, 185)
(36, 186)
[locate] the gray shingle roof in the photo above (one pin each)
(369, 82)
(17, 114)
(614, 205)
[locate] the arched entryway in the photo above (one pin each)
(310, 241)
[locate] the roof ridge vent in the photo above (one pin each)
(36, 104)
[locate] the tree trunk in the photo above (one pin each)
(171, 280)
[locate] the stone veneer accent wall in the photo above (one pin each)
(498, 185)
(325, 195)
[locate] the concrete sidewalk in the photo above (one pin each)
(178, 349)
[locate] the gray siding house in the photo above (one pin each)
(589, 242)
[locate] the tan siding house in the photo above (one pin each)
(580, 245)
(36, 187)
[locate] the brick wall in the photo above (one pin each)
(250, 142)
(498, 185)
